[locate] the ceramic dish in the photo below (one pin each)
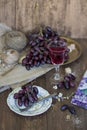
(36, 109)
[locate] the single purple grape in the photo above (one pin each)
(55, 34)
(45, 35)
(42, 62)
(27, 67)
(21, 91)
(38, 64)
(49, 29)
(31, 65)
(35, 53)
(48, 61)
(61, 43)
(35, 63)
(72, 110)
(37, 41)
(33, 44)
(29, 86)
(30, 43)
(31, 99)
(32, 51)
(24, 61)
(23, 99)
(41, 44)
(36, 58)
(28, 56)
(66, 56)
(40, 38)
(40, 56)
(45, 58)
(60, 84)
(19, 102)
(26, 102)
(30, 62)
(23, 87)
(42, 48)
(35, 90)
(16, 96)
(66, 78)
(46, 52)
(20, 95)
(66, 85)
(67, 50)
(27, 89)
(37, 49)
(72, 77)
(72, 84)
(64, 107)
(34, 95)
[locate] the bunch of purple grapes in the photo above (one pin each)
(71, 109)
(27, 96)
(39, 53)
(68, 82)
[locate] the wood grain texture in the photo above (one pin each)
(7, 12)
(68, 17)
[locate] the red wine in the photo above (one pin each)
(57, 54)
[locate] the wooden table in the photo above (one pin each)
(54, 118)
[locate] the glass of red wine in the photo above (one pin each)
(57, 55)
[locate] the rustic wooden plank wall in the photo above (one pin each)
(69, 17)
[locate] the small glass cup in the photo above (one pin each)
(56, 54)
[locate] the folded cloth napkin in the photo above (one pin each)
(80, 98)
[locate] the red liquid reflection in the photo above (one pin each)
(57, 54)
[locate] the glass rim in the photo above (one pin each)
(64, 49)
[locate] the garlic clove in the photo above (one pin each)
(11, 56)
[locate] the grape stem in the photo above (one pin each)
(41, 33)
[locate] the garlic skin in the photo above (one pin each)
(68, 70)
(11, 57)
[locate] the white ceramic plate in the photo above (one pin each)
(36, 109)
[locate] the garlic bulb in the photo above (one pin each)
(11, 56)
(16, 40)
